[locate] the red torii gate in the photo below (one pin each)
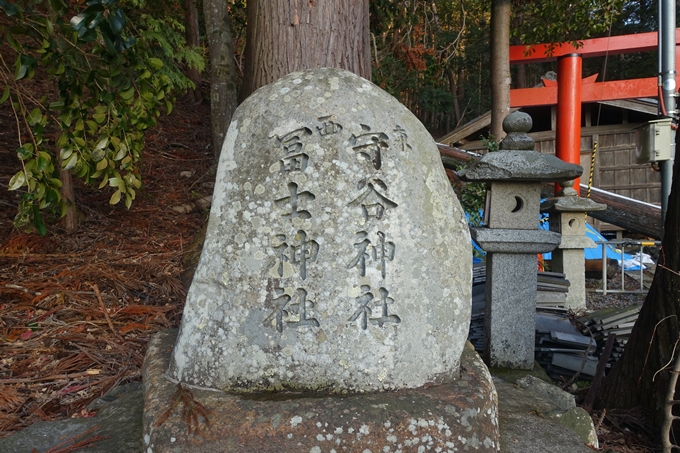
(569, 91)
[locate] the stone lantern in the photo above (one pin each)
(568, 218)
(512, 239)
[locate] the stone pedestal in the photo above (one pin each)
(455, 417)
(512, 239)
(511, 293)
(568, 218)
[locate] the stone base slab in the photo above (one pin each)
(461, 416)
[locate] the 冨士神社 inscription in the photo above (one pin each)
(336, 256)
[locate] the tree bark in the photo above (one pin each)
(284, 36)
(223, 80)
(70, 219)
(521, 80)
(500, 65)
(641, 376)
(192, 38)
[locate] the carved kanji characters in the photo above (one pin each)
(385, 317)
(372, 202)
(293, 201)
(380, 252)
(298, 254)
(370, 145)
(328, 126)
(363, 311)
(401, 139)
(290, 314)
(292, 143)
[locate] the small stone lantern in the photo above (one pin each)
(512, 239)
(568, 217)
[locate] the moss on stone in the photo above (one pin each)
(512, 376)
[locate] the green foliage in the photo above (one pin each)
(434, 55)
(490, 143)
(544, 21)
(113, 80)
(472, 195)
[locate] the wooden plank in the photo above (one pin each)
(466, 129)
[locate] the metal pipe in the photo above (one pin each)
(667, 85)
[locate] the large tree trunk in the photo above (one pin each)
(636, 379)
(284, 36)
(500, 65)
(223, 81)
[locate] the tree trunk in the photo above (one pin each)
(500, 65)
(521, 80)
(70, 219)
(223, 94)
(634, 380)
(192, 37)
(284, 36)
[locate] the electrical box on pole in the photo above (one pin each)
(654, 141)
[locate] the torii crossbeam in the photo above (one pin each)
(570, 91)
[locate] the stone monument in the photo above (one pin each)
(512, 239)
(337, 261)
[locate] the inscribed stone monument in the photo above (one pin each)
(337, 257)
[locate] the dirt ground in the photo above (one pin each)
(77, 310)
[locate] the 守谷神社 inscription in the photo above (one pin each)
(337, 257)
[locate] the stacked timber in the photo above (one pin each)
(552, 289)
(605, 322)
(561, 349)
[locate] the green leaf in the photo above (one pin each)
(5, 94)
(128, 201)
(38, 222)
(98, 154)
(70, 162)
(56, 182)
(23, 153)
(116, 21)
(102, 164)
(104, 181)
(99, 117)
(115, 198)
(155, 63)
(102, 143)
(18, 180)
(168, 107)
(10, 9)
(91, 126)
(35, 116)
(135, 182)
(122, 152)
(127, 94)
(65, 153)
(114, 182)
(43, 160)
(25, 66)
